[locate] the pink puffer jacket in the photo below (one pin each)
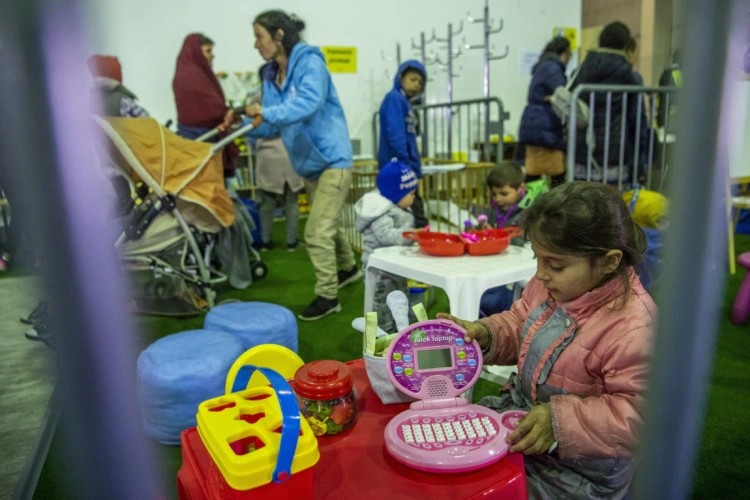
(604, 368)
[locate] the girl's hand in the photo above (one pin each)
(534, 433)
(474, 331)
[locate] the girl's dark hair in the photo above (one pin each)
(615, 35)
(558, 46)
(274, 20)
(507, 173)
(204, 40)
(586, 219)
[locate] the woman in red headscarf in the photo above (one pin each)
(200, 101)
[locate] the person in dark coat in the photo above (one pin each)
(609, 65)
(541, 129)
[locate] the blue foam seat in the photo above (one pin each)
(255, 323)
(177, 373)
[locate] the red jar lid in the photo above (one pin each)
(323, 380)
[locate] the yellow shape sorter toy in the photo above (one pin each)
(254, 433)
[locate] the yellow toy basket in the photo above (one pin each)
(254, 433)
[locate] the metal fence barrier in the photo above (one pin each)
(450, 197)
(640, 148)
(459, 127)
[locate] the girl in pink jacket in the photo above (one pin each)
(581, 338)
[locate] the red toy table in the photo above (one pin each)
(356, 465)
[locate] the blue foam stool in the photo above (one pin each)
(255, 323)
(177, 373)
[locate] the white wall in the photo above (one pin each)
(147, 35)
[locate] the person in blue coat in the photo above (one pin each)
(300, 104)
(398, 126)
(541, 129)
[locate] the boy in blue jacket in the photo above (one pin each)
(398, 126)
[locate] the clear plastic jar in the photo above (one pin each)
(326, 397)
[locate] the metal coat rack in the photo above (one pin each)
(488, 23)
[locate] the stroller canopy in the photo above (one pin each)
(144, 150)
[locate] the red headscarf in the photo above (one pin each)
(200, 100)
(106, 66)
(198, 95)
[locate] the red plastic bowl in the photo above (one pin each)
(440, 244)
(491, 241)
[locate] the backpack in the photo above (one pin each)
(561, 99)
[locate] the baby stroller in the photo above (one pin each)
(178, 206)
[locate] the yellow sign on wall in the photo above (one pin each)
(570, 33)
(341, 59)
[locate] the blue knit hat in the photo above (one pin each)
(396, 180)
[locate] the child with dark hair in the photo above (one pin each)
(541, 130)
(398, 125)
(510, 195)
(581, 336)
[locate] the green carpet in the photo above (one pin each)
(724, 464)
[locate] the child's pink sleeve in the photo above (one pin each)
(607, 426)
(505, 328)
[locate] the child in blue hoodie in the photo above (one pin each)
(398, 126)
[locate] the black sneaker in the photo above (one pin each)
(346, 278)
(264, 247)
(291, 247)
(37, 314)
(320, 308)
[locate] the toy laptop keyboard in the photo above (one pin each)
(442, 432)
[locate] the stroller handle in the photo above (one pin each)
(237, 133)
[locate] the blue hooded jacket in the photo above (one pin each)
(306, 112)
(398, 135)
(540, 126)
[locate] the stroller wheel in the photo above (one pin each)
(259, 270)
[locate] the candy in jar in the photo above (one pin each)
(326, 397)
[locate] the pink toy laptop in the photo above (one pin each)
(442, 432)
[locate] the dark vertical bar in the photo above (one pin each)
(459, 143)
(443, 122)
(651, 142)
(105, 451)
(665, 144)
(624, 126)
(589, 133)
(694, 289)
(636, 159)
(375, 144)
(607, 120)
(469, 146)
(572, 133)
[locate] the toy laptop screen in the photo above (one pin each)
(432, 359)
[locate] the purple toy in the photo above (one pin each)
(741, 308)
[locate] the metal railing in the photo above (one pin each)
(450, 197)
(459, 127)
(631, 165)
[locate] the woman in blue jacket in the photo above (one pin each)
(541, 129)
(300, 104)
